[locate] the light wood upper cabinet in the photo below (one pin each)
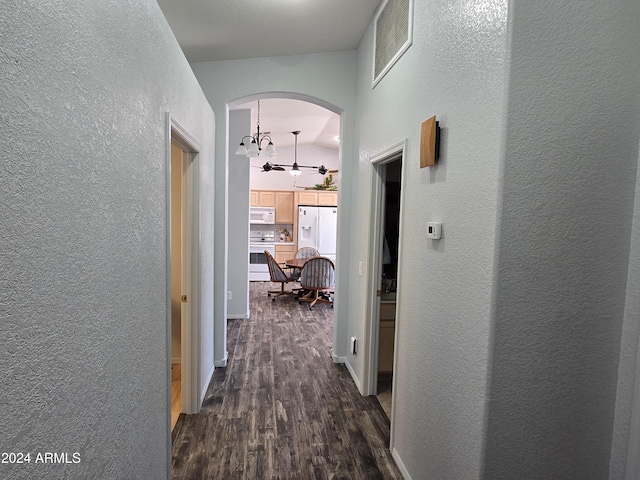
(284, 202)
(267, 198)
(328, 199)
(322, 198)
(307, 198)
(262, 198)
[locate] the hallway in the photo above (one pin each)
(282, 409)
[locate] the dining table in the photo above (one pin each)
(295, 262)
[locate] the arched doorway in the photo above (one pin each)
(239, 170)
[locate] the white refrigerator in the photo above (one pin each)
(318, 228)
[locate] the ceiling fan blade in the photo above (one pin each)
(280, 169)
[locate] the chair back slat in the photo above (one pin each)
(318, 273)
(307, 252)
(275, 271)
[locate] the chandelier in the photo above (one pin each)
(255, 147)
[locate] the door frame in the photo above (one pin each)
(379, 163)
(191, 285)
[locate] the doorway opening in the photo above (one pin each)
(390, 219)
(385, 259)
(179, 162)
(182, 200)
(251, 186)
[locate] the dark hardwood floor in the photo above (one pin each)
(281, 409)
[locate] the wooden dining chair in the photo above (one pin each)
(278, 275)
(317, 276)
(307, 252)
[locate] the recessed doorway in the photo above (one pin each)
(390, 219)
(179, 162)
(383, 301)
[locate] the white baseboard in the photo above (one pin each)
(222, 362)
(237, 316)
(354, 376)
(400, 464)
(337, 359)
(206, 386)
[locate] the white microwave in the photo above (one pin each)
(262, 215)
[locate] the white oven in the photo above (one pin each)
(264, 215)
(259, 241)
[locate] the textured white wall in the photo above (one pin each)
(84, 91)
(238, 225)
(329, 78)
(455, 69)
(571, 158)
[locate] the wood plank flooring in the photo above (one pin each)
(281, 409)
(176, 393)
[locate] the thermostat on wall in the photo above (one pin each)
(434, 230)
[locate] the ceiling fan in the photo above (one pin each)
(295, 168)
(267, 167)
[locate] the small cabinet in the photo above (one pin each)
(262, 198)
(307, 198)
(284, 207)
(267, 199)
(318, 197)
(386, 336)
(328, 199)
(284, 253)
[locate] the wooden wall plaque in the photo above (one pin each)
(429, 142)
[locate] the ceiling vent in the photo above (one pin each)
(392, 36)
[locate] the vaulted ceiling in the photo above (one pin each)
(230, 29)
(211, 30)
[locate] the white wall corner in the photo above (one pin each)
(400, 464)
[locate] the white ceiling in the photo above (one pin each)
(211, 30)
(281, 116)
(230, 29)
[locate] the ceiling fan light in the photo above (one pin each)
(242, 150)
(270, 151)
(253, 150)
(295, 171)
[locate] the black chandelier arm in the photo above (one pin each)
(255, 138)
(264, 137)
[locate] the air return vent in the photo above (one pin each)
(392, 37)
